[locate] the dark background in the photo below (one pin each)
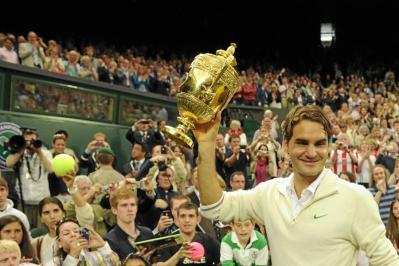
(282, 33)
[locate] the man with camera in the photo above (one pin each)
(32, 164)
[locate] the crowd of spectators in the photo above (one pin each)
(156, 191)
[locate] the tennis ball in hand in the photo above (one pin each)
(63, 164)
(197, 251)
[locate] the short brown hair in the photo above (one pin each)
(178, 197)
(299, 113)
(121, 193)
(3, 183)
(105, 158)
(188, 206)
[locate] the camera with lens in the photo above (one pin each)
(162, 166)
(37, 143)
(163, 150)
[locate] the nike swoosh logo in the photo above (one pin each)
(319, 216)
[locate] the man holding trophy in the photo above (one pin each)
(311, 217)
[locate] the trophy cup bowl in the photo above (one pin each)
(207, 89)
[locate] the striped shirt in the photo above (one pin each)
(385, 202)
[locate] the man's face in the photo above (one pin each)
(156, 150)
(243, 229)
(237, 182)
(126, 210)
(32, 37)
(187, 221)
(8, 44)
(235, 142)
(165, 179)
(28, 139)
(308, 149)
(219, 140)
(137, 152)
(3, 197)
(176, 204)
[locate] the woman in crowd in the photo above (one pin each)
(392, 226)
(263, 167)
(51, 211)
(383, 193)
(79, 247)
(12, 228)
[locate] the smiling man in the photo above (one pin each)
(316, 217)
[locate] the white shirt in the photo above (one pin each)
(306, 196)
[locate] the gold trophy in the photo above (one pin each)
(207, 89)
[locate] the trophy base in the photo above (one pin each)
(179, 137)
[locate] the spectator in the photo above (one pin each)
(393, 225)
(7, 205)
(32, 166)
(188, 218)
(235, 129)
(7, 52)
(237, 181)
(105, 174)
(72, 67)
(244, 245)
(87, 69)
(53, 63)
(122, 237)
(51, 212)
(81, 206)
(31, 52)
(10, 254)
(73, 247)
(383, 193)
(12, 228)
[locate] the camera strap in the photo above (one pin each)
(30, 176)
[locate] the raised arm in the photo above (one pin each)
(207, 179)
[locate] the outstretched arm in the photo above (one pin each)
(206, 136)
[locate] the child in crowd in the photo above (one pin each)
(244, 245)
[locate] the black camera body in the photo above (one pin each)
(162, 166)
(163, 150)
(37, 143)
(85, 233)
(17, 143)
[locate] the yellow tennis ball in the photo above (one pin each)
(63, 164)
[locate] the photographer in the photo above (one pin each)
(164, 177)
(32, 164)
(88, 158)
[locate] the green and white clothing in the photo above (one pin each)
(255, 253)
